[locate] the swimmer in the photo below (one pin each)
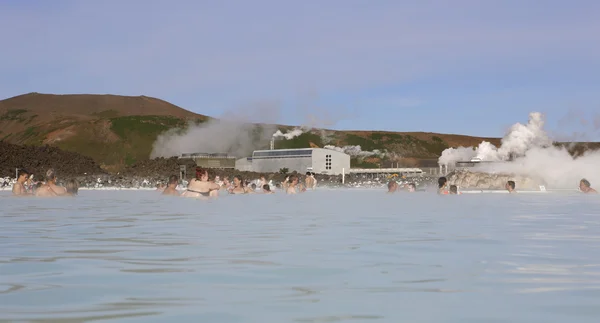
(238, 186)
(201, 186)
(510, 186)
(226, 184)
(172, 186)
(442, 183)
(308, 180)
(585, 186)
(263, 181)
(314, 181)
(293, 186)
(72, 187)
(453, 190)
(267, 189)
(50, 188)
(286, 182)
(18, 188)
(253, 187)
(392, 186)
(412, 187)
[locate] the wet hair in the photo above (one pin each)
(72, 187)
(22, 172)
(511, 184)
(453, 189)
(278, 185)
(173, 179)
(308, 174)
(253, 186)
(50, 174)
(239, 177)
(200, 172)
(441, 181)
(413, 185)
(293, 177)
(585, 182)
(391, 184)
(266, 187)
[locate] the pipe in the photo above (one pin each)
(343, 175)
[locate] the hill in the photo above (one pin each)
(113, 130)
(117, 131)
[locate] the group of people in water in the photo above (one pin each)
(202, 186)
(445, 189)
(25, 186)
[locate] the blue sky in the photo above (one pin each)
(462, 66)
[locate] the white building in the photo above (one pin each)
(317, 160)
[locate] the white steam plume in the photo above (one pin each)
(234, 133)
(533, 155)
(290, 134)
(356, 151)
(517, 141)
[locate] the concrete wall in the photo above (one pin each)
(244, 164)
(304, 160)
(273, 165)
(338, 161)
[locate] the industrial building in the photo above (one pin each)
(317, 160)
(217, 160)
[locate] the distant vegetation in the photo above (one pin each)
(14, 115)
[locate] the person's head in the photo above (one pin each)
(510, 185)
(217, 178)
(22, 175)
(38, 185)
(226, 180)
(201, 174)
(253, 186)
(263, 178)
(266, 188)
(412, 187)
(238, 181)
(72, 187)
(392, 186)
(278, 186)
(584, 184)
(50, 175)
(308, 173)
(173, 181)
(442, 181)
(453, 189)
(294, 179)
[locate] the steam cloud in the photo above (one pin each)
(356, 151)
(290, 134)
(234, 134)
(533, 155)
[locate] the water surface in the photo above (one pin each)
(323, 256)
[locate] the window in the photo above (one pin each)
(327, 161)
(282, 153)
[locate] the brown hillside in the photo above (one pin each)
(93, 105)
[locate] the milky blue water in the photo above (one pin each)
(323, 256)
